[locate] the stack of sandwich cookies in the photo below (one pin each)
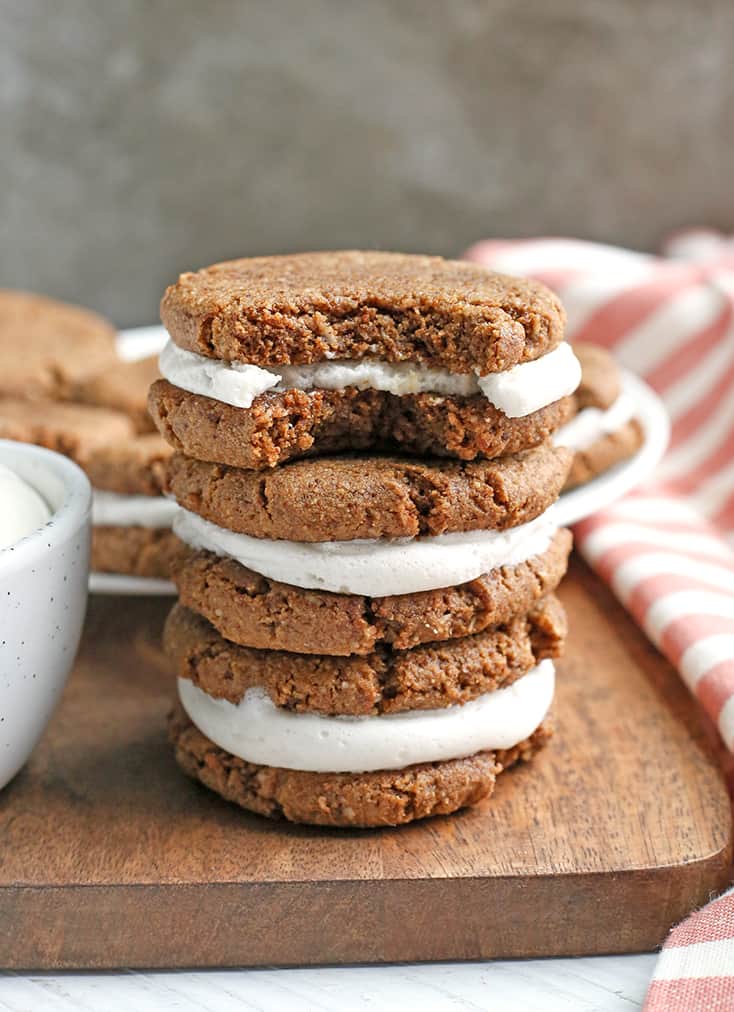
(362, 639)
(603, 431)
(336, 727)
(69, 391)
(132, 518)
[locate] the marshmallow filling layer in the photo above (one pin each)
(257, 731)
(375, 568)
(592, 424)
(518, 392)
(109, 509)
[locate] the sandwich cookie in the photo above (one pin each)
(351, 800)
(358, 768)
(278, 357)
(254, 611)
(604, 430)
(261, 733)
(363, 636)
(132, 520)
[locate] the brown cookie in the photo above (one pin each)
(123, 388)
(103, 442)
(253, 611)
(310, 307)
(345, 498)
(385, 681)
(134, 466)
(599, 388)
(284, 426)
(600, 384)
(134, 551)
(76, 430)
(352, 800)
(605, 452)
(46, 347)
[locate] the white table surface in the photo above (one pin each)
(598, 984)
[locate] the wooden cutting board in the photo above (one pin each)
(110, 858)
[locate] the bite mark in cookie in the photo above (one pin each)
(285, 426)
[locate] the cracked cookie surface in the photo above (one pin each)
(385, 681)
(352, 497)
(252, 610)
(397, 307)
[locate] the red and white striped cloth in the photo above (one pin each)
(667, 550)
(695, 970)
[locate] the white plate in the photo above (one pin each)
(116, 583)
(571, 507)
(581, 502)
(140, 342)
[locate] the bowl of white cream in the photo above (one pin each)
(45, 530)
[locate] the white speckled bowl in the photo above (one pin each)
(43, 598)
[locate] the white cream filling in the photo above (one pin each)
(109, 509)
(22, 510)
(375, 568)
(517, 392)
(593, 423)
(259, 732)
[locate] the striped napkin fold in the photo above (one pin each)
(695, 970)
(667, 550)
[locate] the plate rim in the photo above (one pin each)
(613, 484)
(128, 586)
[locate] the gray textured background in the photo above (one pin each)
(142, 137)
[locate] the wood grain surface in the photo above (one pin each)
(109, 857)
